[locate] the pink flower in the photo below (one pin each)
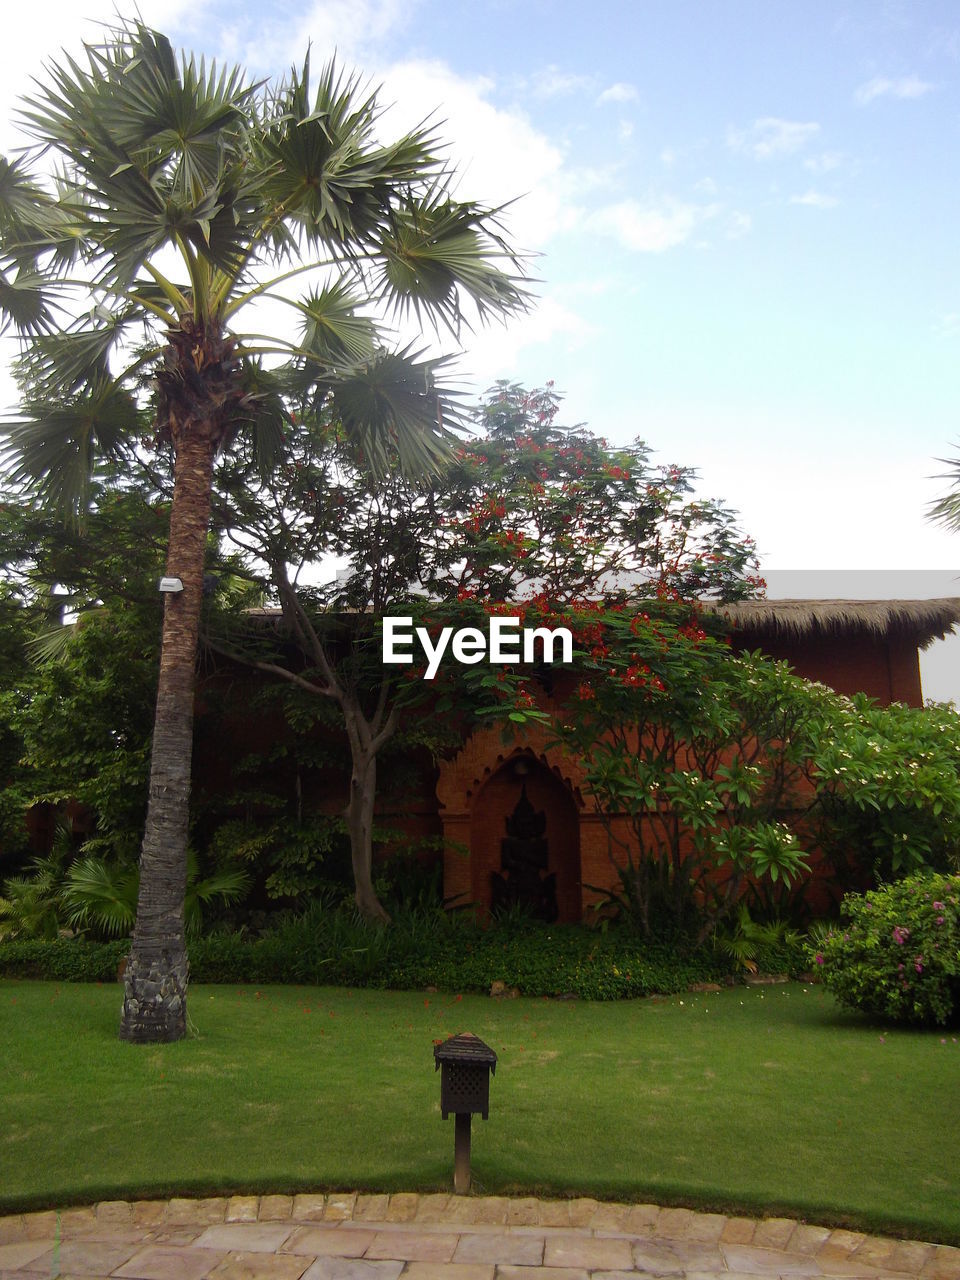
(938, 906)
(900, 934)
(819, 957)
(939, 920)
(918, 964)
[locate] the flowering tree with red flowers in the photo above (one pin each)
(533, 508)
(528, 519)
(694, 757)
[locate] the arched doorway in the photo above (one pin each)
(523, 819)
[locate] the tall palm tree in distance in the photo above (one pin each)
(164, 202)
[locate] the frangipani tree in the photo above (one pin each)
(181, 196)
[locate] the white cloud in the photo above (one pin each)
(499, 155)
(815, 200)
(497, 351)
(625, 130)
(352, 29)
(770, 136)
(881, 87)
(738, 225)
(619, 92)
(645, 228)
(826, 162)
(948, 326)
(551, 82)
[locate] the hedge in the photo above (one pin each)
(537, 962)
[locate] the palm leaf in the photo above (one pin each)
(101, 897)
(435, 249)
(332, 329)
(51, 449)
(392, 411)
(325, 171)
(946, 510)
(49, 647)
(26, 301)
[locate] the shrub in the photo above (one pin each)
(419, 950)
(898, 955)
(62, 960)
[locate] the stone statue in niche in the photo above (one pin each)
(523, 879)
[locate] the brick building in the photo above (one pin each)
(852, 646)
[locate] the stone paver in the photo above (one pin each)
(163, 1262)
(448, 1271)
(371, 1209)
(774, 1233)
(14, 1256)
(413, 1246)
(769, 1262)
(246, 1237)
(607, 1254)
(542, 1273)
(193, 1213)
(276, 1208)
(311, 1208)
(83, 1258)
(496, 1248)
(243, 1209)
(259, 1266)
(38, 1226)
(402, 1207)
(662, 1257)
(352, 1269)
(351, 1236)
(330, 1242)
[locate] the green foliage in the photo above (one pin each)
(31, 906)
(421, 948)
(62, 960)
(98, 899)
(700, 751)
(751, 945)
(888, 787)
(290, 857)
(897, 953)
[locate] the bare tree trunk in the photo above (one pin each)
(155, 982)
(359, 814)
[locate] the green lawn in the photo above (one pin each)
(765, 1099)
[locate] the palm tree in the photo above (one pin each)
(182, 196)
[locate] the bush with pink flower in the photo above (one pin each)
(896, 954)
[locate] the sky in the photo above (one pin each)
(742, 217)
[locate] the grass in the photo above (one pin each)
(767, 1100)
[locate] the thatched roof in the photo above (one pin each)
(920, 620)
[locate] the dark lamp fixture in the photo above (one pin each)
(465, 1064)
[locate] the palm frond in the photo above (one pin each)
(26, 301)
(102, 897)
(333, 330)
(51, 449)
(327, 174)
(49, 647)
(392, 411)
(946, 510)
(59, 364)
(436, 249)
(263, 412)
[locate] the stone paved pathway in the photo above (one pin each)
(441, 1237)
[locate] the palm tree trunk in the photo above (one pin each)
(155, 1004)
